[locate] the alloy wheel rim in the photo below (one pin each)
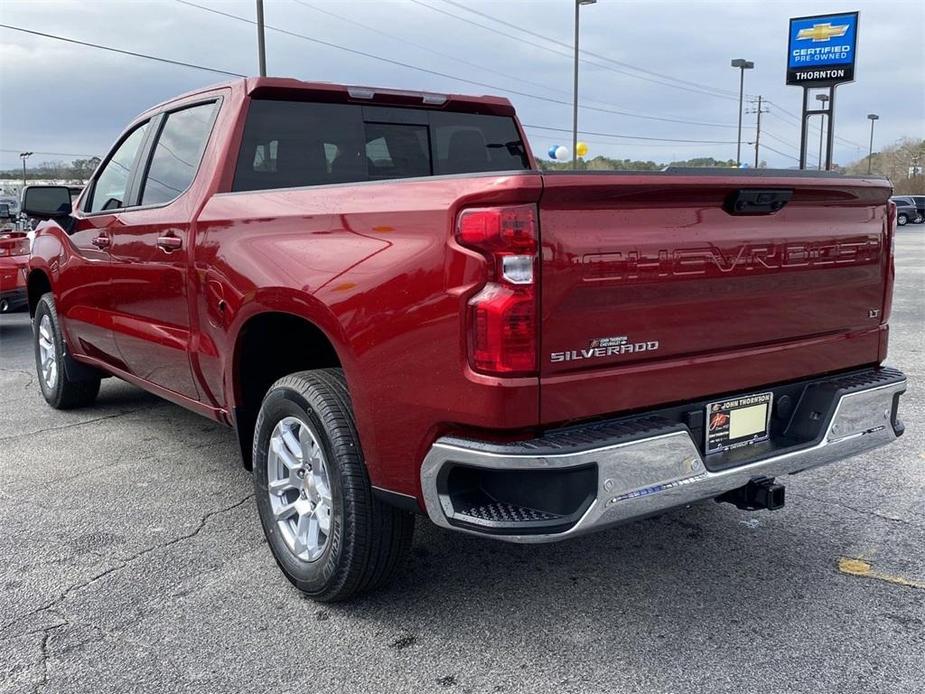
(299, 488)
(48, 356)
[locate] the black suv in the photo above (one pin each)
(919, 201)
(907, 210)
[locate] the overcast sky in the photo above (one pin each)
(63, 98)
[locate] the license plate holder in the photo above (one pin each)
(738, 421)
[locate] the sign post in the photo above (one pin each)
(821, 54)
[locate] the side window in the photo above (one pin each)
(110, 186)
(176, 156)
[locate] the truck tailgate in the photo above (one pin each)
(655, 291)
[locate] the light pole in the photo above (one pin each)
(743, 65)
(823, 98)
(870, 152)
(261, 41)
(578, 4)
(24, 156)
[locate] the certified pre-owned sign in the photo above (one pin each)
(821, 50)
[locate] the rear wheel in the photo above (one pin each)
(330, 536)
(60, 390)
(901, 219)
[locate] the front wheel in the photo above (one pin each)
(330, 536)
(901, 219)
(59, 389)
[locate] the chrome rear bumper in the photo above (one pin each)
(650, 473)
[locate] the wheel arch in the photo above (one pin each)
(268, 345)
(38, 283)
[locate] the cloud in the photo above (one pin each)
(59, 97)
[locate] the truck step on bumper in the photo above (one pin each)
(583, 478)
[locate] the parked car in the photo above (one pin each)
(906, 210)
(12, 204)
(14, 262)
(919, 201)
(401, 315)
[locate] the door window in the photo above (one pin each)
(176, 156)
(110, 187)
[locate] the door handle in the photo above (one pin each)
(101, 241)
(169, 243)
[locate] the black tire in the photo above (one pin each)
(368, 540)
(901, 219)
(64, 393)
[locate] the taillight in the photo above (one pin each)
(14, 245)
(891, 226)
(502, 317)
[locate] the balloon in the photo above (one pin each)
(552, 151)
(581, 149)
(562, 152)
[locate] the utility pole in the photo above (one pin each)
(24, 156)
(578, 4)
(261, 41)
(758, 110)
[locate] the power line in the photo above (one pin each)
(630, 137)
(725, 93)
(777, 151)
(507, 75)
(780, 140)
(119, 50)
(422, 47)
(51, 154)
(445, 75)
(671, 145)
(569, 55)
(796, 118)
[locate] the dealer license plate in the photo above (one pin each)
(738, 422)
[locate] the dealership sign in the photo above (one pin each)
(822, 49)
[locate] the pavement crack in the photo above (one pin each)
(861, 511)
(123, 563)
(43, 662)
(71, 425)
(28, 374)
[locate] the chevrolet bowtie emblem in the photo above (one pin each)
(823, 32)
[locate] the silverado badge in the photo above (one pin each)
(605, 347)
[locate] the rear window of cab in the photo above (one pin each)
(294, 143)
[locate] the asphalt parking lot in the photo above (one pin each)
(131, 559)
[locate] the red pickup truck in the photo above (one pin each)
(14, 261)
(400, 314)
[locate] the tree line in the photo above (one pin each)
(903, 162)
(78, 171)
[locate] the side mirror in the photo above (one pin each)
(46, 202)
